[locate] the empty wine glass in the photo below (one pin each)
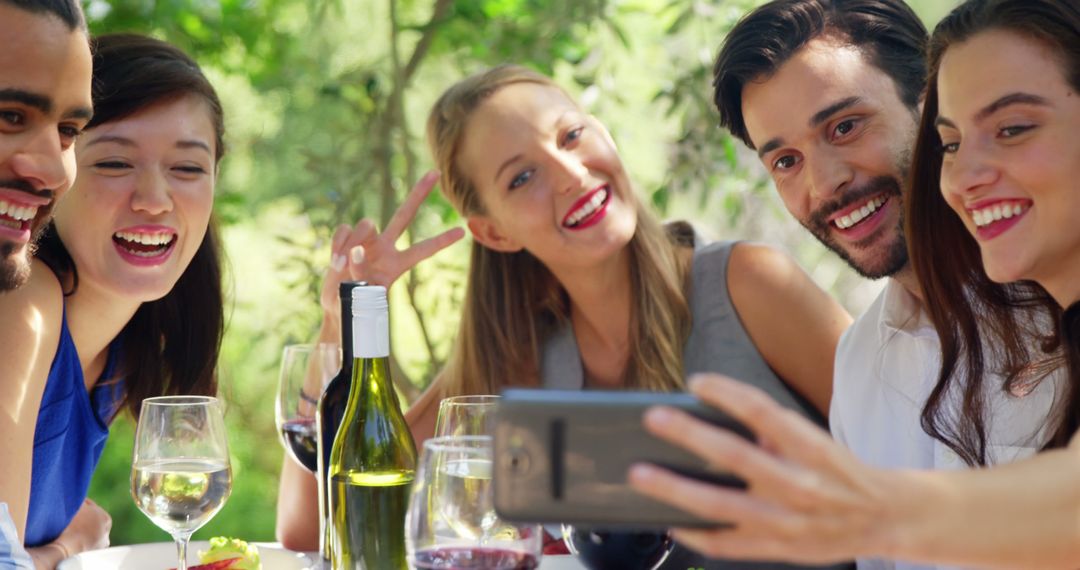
(618, 549)
(305, 371)
(180, 472)
(466, 415)
(451, 523)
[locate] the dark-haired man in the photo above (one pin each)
(827, 92)
(45, 70)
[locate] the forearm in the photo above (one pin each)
(297, 508)
(1021, 515)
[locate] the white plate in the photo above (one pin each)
(162, 556)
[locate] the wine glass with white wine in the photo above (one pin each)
(180, 472)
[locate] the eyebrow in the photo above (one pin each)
(816, 120)
(35, 100)
(1002, 102)
(506, 164)
(42, 103)
(824, 114)
(124, 141)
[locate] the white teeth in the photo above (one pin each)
(856, 216)
(587, 208)
(146, 239)
(20, 213)
(999, 211)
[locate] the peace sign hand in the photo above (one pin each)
(363, 253)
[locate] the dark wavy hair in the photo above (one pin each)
(170, 346)
(888, 32)
(69, 11)
(980, 321)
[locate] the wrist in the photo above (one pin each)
(48, 556)
(916, 503)
(65, 552)
(330, 329)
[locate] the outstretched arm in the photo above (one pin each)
(794, 324)
(359, 253)
(809, 500)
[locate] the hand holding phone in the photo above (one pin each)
(563, 457)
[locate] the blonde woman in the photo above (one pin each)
(574, 284)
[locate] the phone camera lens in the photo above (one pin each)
(516, 461)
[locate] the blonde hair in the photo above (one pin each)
(513, 303)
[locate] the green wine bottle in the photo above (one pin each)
(373, 458)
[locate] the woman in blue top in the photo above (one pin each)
(125, 301)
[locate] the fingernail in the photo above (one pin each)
(357, 254)
(337, 262)
(658, 417)
(639, 474)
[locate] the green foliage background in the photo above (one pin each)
(326, 102)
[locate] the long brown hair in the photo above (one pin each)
(513, 302)
(980, 321)
(170, 346)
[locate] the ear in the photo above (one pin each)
(490, 235)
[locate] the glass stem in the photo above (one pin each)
(181, 551)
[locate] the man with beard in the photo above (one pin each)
(827, 92)
(45, 70)
(44, 103)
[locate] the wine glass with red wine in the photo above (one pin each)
(305, 371)
(451, 523)
(618, 549)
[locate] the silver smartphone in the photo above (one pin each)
(563, 457)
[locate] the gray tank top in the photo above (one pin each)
(717, 343)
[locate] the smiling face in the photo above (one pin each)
(836, 138)
(141, 205)
(549, 177)
(1008, 122)
(45, 70)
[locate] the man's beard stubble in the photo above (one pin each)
(15, 266)
(893, 259)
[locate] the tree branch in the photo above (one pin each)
(438, 14)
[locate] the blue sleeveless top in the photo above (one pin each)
(72, 426)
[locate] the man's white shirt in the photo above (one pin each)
(886, 364)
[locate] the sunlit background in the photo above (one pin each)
(325, 103)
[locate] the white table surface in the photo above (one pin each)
(560, 563)
(155, 555)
